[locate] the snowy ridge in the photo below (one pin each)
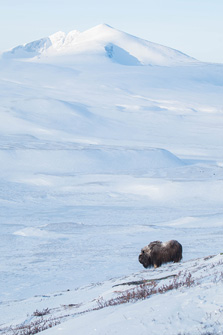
(103, 40)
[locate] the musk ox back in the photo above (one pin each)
(157, 253)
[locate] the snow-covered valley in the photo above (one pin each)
(100, 155)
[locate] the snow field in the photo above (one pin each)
(97, 159)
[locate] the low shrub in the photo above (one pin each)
(41, 313)
(34, 327)
(146, 289)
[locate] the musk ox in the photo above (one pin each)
(157, 253)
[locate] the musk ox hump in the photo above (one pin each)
(157, 253)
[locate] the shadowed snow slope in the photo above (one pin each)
(103, 40)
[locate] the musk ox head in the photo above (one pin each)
(157, 253)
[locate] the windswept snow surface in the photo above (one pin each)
(99, 158)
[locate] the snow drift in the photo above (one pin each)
(87, 160)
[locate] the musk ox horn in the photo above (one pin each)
(158, 253)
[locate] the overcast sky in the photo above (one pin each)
(194, 27)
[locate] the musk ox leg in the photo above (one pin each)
(155, 266)
(177, 260)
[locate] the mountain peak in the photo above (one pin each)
(103, 26)
(104, 41)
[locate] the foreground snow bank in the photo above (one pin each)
(183, 298)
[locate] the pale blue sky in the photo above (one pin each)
(194, 27)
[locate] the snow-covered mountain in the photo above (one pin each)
(101, 40)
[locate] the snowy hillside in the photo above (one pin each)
(182, 298)
(101, 40)
(97, 159)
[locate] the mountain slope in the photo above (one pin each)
(101, 40)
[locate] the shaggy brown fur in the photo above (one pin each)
(157, 253)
